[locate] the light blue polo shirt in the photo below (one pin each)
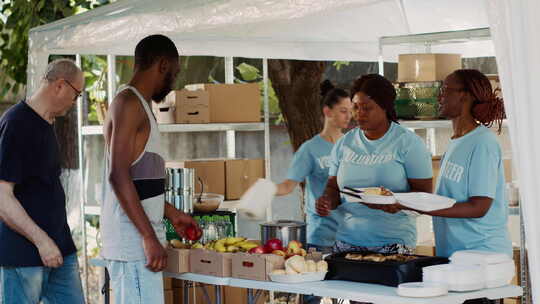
(311, 163)
(473, 166)
(388, 161)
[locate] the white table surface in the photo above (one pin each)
(181, 276)
(377, 294)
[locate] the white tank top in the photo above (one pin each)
(120, 238)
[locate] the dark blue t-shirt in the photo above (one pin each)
(29, 157)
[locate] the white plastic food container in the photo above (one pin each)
(298, 278)
(499, 268)
(422, 290)
(478, 257)
(456, 277)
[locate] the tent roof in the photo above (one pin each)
(289, 29)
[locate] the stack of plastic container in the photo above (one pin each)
(472, 270)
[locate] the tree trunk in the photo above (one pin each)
(297, 87)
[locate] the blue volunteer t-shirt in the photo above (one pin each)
(311, 163)
(388, 161)
(29, 158)
(473, 166)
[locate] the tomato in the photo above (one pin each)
(193, 233)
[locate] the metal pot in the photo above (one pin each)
(180, 188)
(285, 230)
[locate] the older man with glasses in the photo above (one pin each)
(38, 258)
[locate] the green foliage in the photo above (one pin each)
(19, 16)
(339, 64)
(95, 76)
(252, 74)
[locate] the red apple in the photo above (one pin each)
(258, 249)
(193, 233)
(274, 244)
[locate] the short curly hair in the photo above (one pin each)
(152, 48)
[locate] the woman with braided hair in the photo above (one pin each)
(472, 170)
(379, 152)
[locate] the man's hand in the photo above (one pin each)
(323, 206)
(181, 221)
(49, 253)
(156, 255)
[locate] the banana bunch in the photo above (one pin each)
(230, 244)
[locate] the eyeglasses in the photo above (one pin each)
(444, 90)
(74, 89)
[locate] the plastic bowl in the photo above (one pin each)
(209, 202)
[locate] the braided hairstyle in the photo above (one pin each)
(331, 95)
(488, 108)
(380, 90)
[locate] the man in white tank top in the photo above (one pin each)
(132, 231)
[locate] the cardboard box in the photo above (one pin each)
(508, 170)
(169, 297)
(164, 113)
(167, 283)
(217, 103)
(210, 262)
(178, 295)
(230, 103)
(425, 250)
(176, 283)
(236, 295)
(191, 106)
(211, 173)
(200, 297)
(436, 164)
(230, 295)
(177, 260)
(255, 266)
(242, 174)
(427, 67)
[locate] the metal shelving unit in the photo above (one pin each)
(453, 37)
(431, 124)
(179, 128)
(230, 130)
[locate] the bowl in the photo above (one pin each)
(209, 202)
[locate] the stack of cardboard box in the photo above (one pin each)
(427, 67)
(168, 290)
(228, 177)
(198, 292)
(212, 103)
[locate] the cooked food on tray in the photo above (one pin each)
(376, 257)
(400, 257)
(354, 256)
(377, 191)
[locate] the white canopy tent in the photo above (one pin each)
(287, 29)
(317, 30)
